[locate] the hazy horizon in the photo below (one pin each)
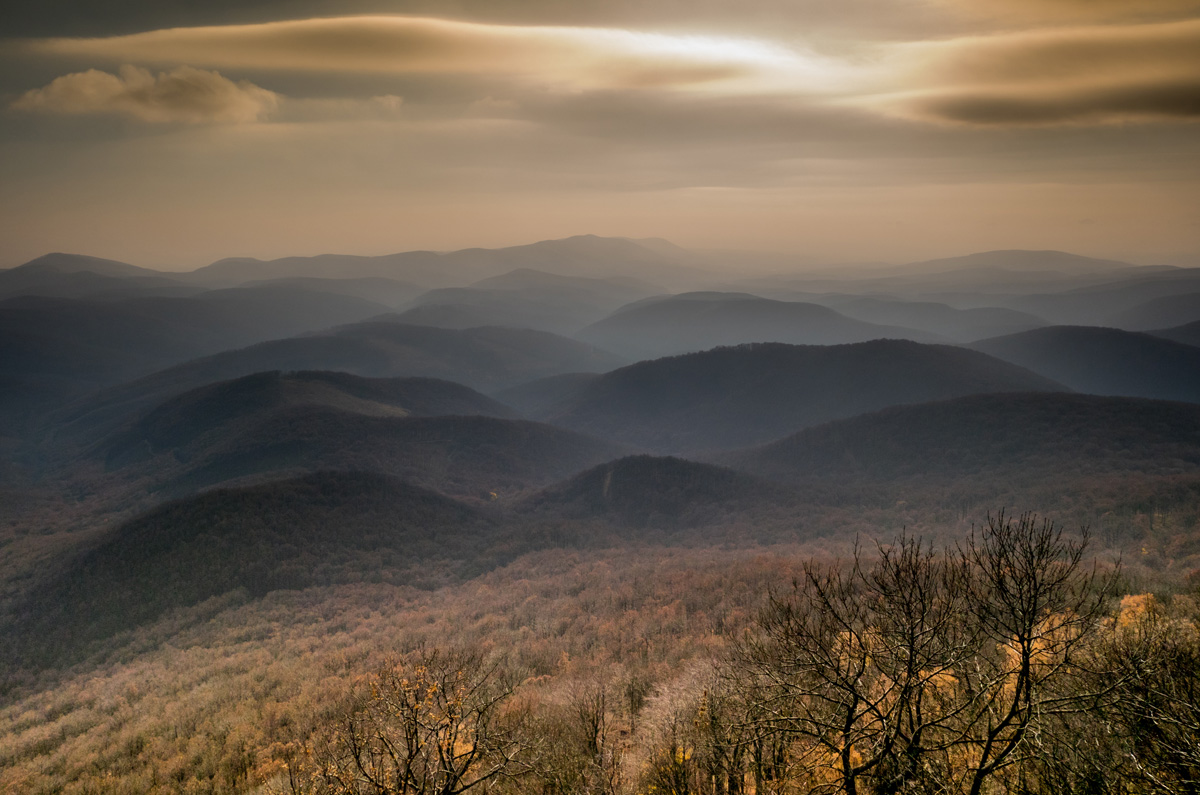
(719, 263)
(893, 131)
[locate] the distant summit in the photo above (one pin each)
(59, 262)
(78, 276)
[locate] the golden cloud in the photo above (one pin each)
(584, 57)
(183, 95)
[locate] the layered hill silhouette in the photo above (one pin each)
(738, 396)
(1052, 447)
(1188, 334)
(483, 358)
(1166, 312)
(698, 321)
(57, 349)
(986, 278)
(432, 433)
(1104, 361)
(321, 529)
(1047, 262)
(391, 293)
(470, 456)
(527, 298)
(663, 493)
(230, 408)
(958, 325)
(542, 396)
(1099, 304)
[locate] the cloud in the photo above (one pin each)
(183, 95)
(1081, 74)
(577, 57)
(1094, 74)
(1180, 100)
(1078, 11)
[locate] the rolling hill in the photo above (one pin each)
(1098, 304)
(320, 529)
(1188, 334)
(738, 396)
(1157, 313)
(1037, 448)
(378, 290)
(232, 408)
(1104, 361)
(538, 398)
(698, 321)
(57, 349)
(526, 298)
(474, 456)
(483, 358)
(80, 276)
(662, 493)
(958, 325)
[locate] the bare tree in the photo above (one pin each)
(922, 671)
(1036, 607)
(580, 752)
(855, 664)
(1155, 661)
(434, 723)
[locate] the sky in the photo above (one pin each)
(171, 134)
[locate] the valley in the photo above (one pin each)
(596, 474)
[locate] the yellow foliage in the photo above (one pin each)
(1136, 608)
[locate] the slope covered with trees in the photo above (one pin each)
(472, 456)
(664, 493)
(482, 358)
(1104, 361)
(232, 408)
(730, 397)
(316, 530)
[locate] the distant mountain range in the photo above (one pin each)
(582, 256)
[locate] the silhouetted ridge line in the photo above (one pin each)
(747, 394)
